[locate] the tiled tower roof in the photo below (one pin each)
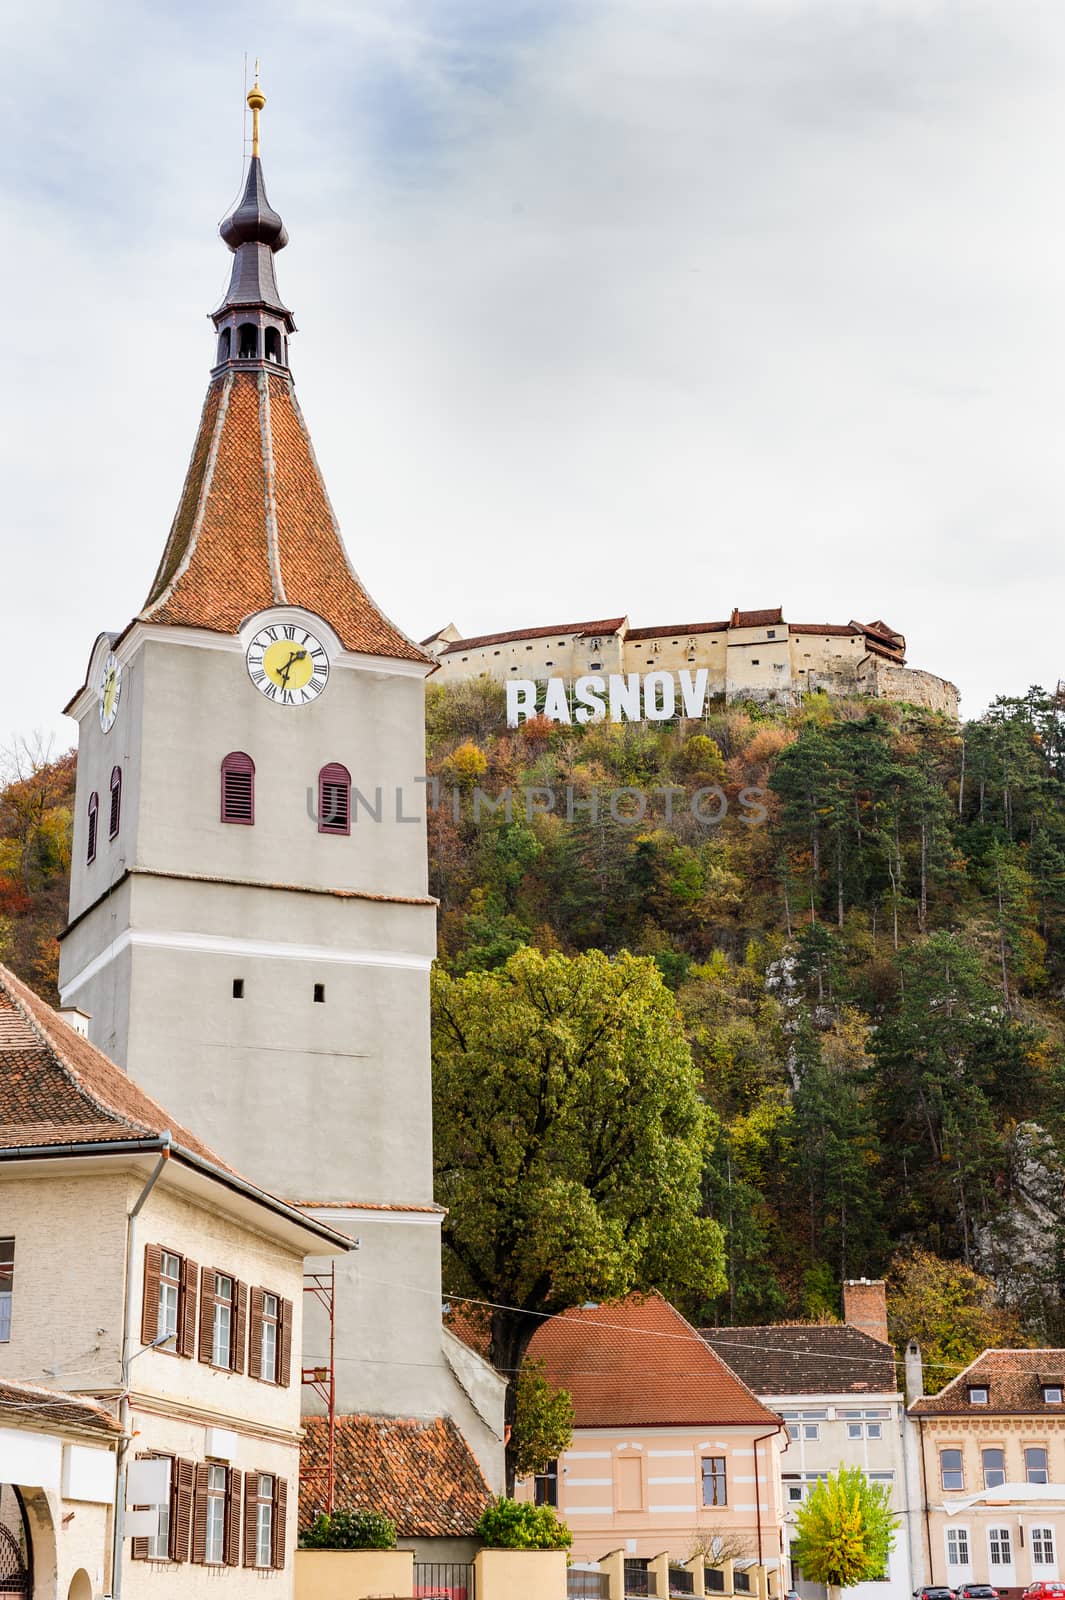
(254, 526)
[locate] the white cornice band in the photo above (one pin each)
(221, 944)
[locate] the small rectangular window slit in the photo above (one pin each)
(238, 988)
(319, 993)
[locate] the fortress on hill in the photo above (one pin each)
(752, 655)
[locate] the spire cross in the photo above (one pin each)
(256, 100)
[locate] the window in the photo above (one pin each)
(713, 1580)
(978, 1395)
(7, 1276)
(238, 988)
(215, 1543)
(222, 1330)
(994, 1461)
(999, 1547)
(958, 1547)
(741, 1582)
(238, 788)
(1042, 1547)
(94, 819)
(264, 1522)
(755, 661)
(545, 1485)
(159, 1542)
(714, 1493)
(950, 1469)
(319, 994)
(223, 1315)
(116, 803)
(1052, 1394)
(811, 1430)
(223, 346)
(334, 799)
(247, 341)
(771, 633)
(270, 1343)
(169, 1295)
(795, 1493)
(1035, 1464)
(273, 345)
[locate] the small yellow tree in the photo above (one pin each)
(845, 1531)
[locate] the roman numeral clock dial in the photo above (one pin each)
(287, 664)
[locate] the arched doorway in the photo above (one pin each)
(16, 1545)
(80, 1586)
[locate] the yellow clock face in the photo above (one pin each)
(110, 692)
(287, 664)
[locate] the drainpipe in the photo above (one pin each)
(758, 1487)
(127, 1359)
(924, 1499)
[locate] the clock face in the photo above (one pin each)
(110, 691)
(287, 664)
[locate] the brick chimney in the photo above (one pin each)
(865, 1306)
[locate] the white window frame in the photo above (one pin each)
(264, 1521)
(1043, 1542)
(811, 1430)
(169, 1295)
(952, 1449)
(981, 1390)
(999, 1481)
(961, 1554)
(1045, 1469)
(7, 1287)
(268, 1331)
(1001, 1539)
(1053, 1394)
(159, 1541)
(215, 1537)
(222, 1322)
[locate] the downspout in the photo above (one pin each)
(127, 1358)
(757, 1485)
(924, 1498)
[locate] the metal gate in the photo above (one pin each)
(14, 1574)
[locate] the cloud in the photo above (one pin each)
(603, 307)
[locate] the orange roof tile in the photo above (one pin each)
(420, 1473)
(638, 1363)
(254, 527)
(605, 626)
(1014, 1382)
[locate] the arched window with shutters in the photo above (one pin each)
(115, 816)
(334, 799)
(238, 788)
(94, 820)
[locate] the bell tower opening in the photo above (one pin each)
(273, 346)
(247, 342)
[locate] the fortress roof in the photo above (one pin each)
(572, 629)
(677, 628)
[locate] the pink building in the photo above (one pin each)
(669, 1447)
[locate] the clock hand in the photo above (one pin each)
(297, 655)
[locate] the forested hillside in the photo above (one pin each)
(870, 971)
(867, 950)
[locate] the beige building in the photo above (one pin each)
(991, 1466)
(250, 932)
(58, 1455)
(669, 1447)
(143, 1273)
(750, 655)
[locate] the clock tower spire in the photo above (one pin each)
(250, 926)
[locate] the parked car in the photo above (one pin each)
(934, 1591)
(976, 1591)
(1045, 1589)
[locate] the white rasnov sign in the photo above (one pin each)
(621, 697)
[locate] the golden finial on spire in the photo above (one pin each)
(256, 100)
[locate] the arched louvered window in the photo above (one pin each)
(224, 339)
(334, 799)
(94, 820)
(238, 788)
(273, 345)
(115, 817)
(247, 342)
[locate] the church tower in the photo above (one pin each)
(250, 929)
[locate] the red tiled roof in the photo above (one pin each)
(54, 1407)
(254, 527)
(567, 629)
(366, 1205)
(832, 629)
(421, 1474)
(676, 628)
(1013, 1380)
(806, 1358)
(58, 1089)
(638, 1363)
(757, 619)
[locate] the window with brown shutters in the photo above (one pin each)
(94, 822)
(223, 1317)
(233, 1508)
(116, 803)
(266, 1335)
(211, 1515)
(280, 1521)
(284, 1355)
(264, 1496)
(238, 788)
(169, 1301)
(171, 1541)
(334, 799)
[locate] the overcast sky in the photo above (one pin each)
(644, 306)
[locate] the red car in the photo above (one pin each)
(1045, 1589)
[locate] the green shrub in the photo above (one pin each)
(350, 1530)
(514, 1525)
